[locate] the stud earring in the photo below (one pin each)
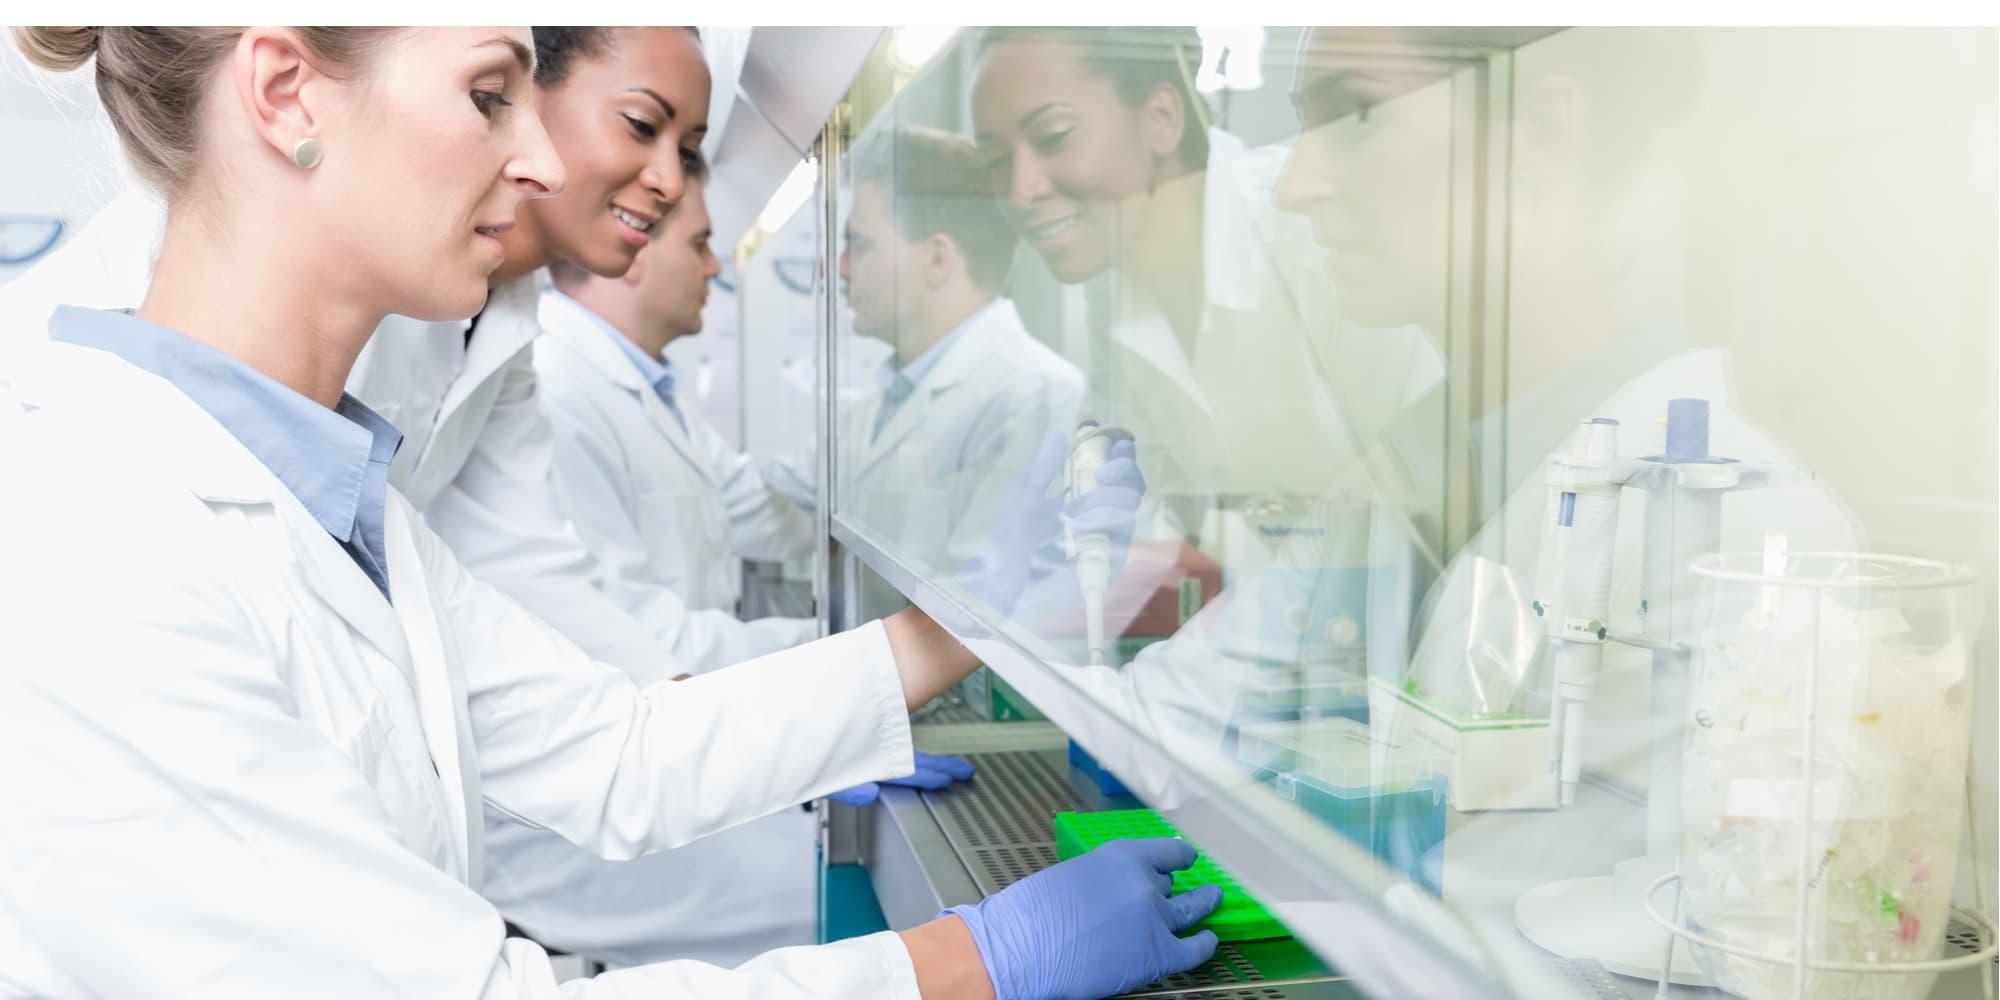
(307, 152)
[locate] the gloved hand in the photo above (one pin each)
(1026, 541)
(933, 771)
(1094, 925)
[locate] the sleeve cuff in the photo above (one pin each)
(883, 694)
(898, 974)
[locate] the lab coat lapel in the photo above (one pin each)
(336, 580)
(563, 320)
(1149, 340)
(978, 347)
(506, 325)
(439, 685)
(179, 439)
(683, 443)
(901, 423)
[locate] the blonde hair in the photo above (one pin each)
(151, 80)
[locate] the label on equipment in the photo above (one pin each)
(1584, 630)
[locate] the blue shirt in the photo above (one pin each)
(898, 383)
(658, 372)
(335, 461)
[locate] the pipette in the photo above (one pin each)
(1090, 553)
(1573, 586)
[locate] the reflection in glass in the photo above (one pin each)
(1447, 354)
(966, 395)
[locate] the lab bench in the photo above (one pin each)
(925, 851)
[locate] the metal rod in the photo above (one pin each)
(1667, 964)
(1805, 819)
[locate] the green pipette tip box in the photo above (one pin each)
(1239, 918)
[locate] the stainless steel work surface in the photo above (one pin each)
(998, 825)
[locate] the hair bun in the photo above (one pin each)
(58, 49)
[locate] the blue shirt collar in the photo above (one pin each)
(336, 462)
(906, 377)
(658, 372)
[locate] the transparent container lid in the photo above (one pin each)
(1339, 755)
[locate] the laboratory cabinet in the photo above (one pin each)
(1566, 552)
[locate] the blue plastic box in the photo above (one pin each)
(1387, 797)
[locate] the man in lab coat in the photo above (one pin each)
(968, 394)
(666, 505)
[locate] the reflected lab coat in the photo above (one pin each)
(237, 770)
(929, 485)
(661, 507)
(475, 464)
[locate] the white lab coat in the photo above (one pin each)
(476, 454)
(475, 464)
(929, 485)
(669, 510)
(233, 769)
(1238, 406)
(656, 503)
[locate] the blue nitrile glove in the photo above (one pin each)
(933, 771)
(1026, 540)
(1095, 925)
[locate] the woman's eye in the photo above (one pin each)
(487, 100)
(690, 158)
(1051, 141)
(642, 128)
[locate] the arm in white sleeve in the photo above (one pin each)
(574, 746)
(763, 522)
(167, 797)
(501, 519)
(592, 481)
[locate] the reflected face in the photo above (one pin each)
(1065, 152)
(672, 274)
(432, 152)
(628, 121)
(876, 265)
(1371, 171)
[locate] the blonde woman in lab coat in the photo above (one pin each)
(626, 109)
(252, 706)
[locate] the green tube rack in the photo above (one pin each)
(1239, 918)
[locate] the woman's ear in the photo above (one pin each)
(1162, 121)
(278, 88)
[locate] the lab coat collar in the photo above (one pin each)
(1237, 259)
(506, 327)
(979, 349)
(966, 347)
(1236, 200)
(180, 443)
(333, 461)
(570, 323)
